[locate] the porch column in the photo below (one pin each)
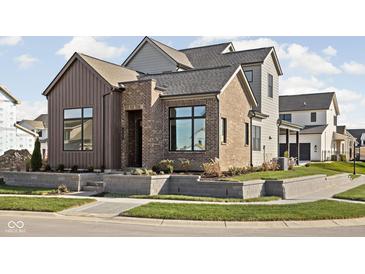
(298, 147)
(287, 142)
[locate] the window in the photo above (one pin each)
(77, 129)
(313, 117)
(249, 75)
(270, 86)
(335, 120)
(40, 133)
(285, 117)
(256, 138)
(247, 134)
(224, 130)
(187, 128)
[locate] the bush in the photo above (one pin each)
(74, 168)
(102, 169)
(62, 189)
(167, 166)
(61, 168)
(234, 171)
(137, 171)
(156, 168)
(36, 160)
(270, 166)
(307, 164)
(343, 157)
(47, 167)
(185, 164)
(212, 168)
(27, 165)
(90, 169)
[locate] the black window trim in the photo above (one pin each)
(247, 134)
(315, 117)
(282, 116)
(192, 118)
(270, 76)
(249, 70)
(224, 131)
(253, 143)
(82, 129)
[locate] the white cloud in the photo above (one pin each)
(207, 40)
(25, 61)
(353, 68)
(31, 109)
(330, 51)
(301, 57)
(92, 46)
(296, 84)
(10, 40)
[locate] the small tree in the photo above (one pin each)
(36, 160)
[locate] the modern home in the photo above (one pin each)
(197, 104)
(12, 136)
(39, 126)
(321, 139)
(359, 134)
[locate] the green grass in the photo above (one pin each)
(40, 203)
(346, 167)
(357, 194)
(203, 199)
(284, 174)
(5, 189)
(318, 210)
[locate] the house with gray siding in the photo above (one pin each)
(162, 103)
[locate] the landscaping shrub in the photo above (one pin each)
(90, 169)
(36, 160)
(270, 166)
(185, 164)
(102, 169)
(307, 164)
(167, 166)
(137, 171)
(27, 165)
(156, 168)
(212, 168)
(47, 167)
(62, 189)
(61, 168)
(235, 171)
(343, 157)
(74, 168)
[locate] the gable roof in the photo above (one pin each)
(43, 118)
(199, 81)
(179, 57)
(211, 56)
(7, 93)
(312, 101)
(110, 72)
(356, 133)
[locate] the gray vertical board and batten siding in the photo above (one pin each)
(80, 86)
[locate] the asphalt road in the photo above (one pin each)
(56, 225)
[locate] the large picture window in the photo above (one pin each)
(187, 128)
(256, 138)
(77, 129)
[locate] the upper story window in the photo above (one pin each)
(77, 129)
(249, 75)
(187, 128)
(335, 120)
(247, 134)
(224, 130)
(285, 117)
(270, 91)
(313, 117)
(256, 138)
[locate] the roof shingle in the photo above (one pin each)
(314, 101)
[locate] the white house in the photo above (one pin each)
(12, 136)
(320, 139)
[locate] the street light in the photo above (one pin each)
(354, 158)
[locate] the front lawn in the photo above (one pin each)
(40, 203)
(345, 167)
(318, 210)
(204, 199)
(357, 193)
(284, 174)
(5, 189)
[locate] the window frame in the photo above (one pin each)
(315, 117)
(249, 70)
(192, 118)
(82, 129)
(254, 134)
(223, 130)
(270, 88)
(284, 115)
(247, 134)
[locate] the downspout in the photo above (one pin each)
(113, 89)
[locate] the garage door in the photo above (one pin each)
(305, 151)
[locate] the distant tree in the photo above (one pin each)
(36, 160)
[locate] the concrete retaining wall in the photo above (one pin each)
(74, 182)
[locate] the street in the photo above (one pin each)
(49, 224)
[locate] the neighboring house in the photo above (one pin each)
(359, 134)
(12, 136)
(40, 126)
(321, 139)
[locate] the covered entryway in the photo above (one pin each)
(287, 128)
(135, 138)
(304, 151)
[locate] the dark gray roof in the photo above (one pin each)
(193, 81)
(313, 129)
(211, 56)
(356, 133)
(341, 129)
(299, 102)
(178, 56)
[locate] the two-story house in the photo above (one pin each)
(321, 139)
(12, 136)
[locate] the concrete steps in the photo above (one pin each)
(97, 187)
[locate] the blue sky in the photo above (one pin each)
(310, 64)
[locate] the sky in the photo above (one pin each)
(310, 64)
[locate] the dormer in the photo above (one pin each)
(151, 56)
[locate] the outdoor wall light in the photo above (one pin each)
(315, 148)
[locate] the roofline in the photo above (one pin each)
(186, 71)
(9, 95)
(239, 69)
(26, 130)
(276, 60)
(190, 95)
(300, 94)
(211, 45)
(238, 51)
